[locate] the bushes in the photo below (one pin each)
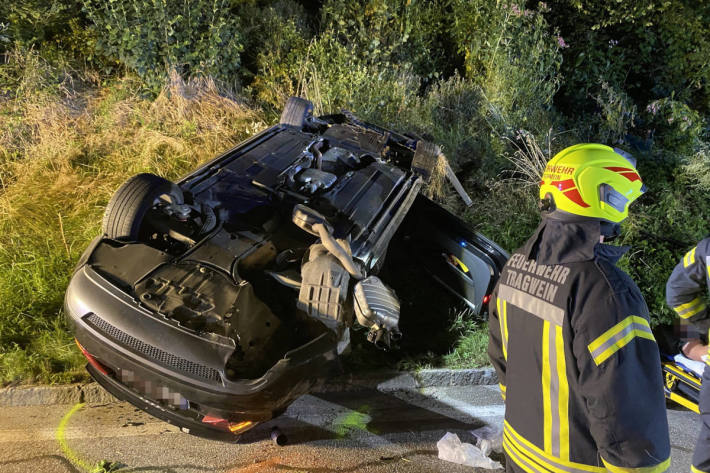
(83, 106)
(512, 54)
(153, 37)
(698, 168)
(389, 32)
(616, 116)
(456, 114)
(675, 126)
(370, 56)
(280, 36)
(650, 48)
(37, 22)
(333, 77)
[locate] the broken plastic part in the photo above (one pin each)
(451, 449)
(489, 438)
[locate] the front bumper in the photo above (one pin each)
(186, 423)
(174, 373)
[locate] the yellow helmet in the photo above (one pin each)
(592, 180)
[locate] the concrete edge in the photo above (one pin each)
(92, 393)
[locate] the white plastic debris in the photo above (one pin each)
(696, 366)
(453, 450)
(489, 438)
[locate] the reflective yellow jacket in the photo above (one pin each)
(578, 365)
(687, 286)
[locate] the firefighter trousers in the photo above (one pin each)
(701, 456)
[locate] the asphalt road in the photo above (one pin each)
(367, 431)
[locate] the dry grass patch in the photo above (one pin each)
(62, 154)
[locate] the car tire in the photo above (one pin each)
(125, 211)
(296, 112)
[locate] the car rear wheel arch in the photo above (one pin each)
(125, 211)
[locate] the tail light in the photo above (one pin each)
(92, 361)
(486, 299)
(224, 424)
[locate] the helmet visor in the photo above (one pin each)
(611, 196)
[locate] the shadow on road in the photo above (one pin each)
(66, 463)
(363, 430)
(372, 411)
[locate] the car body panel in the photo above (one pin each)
(198, 320)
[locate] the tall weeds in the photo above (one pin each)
(528, 159)
(62, 154)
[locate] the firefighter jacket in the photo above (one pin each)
(687, 286)
(579, 368)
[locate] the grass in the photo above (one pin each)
(68, 139)
(461, 343)
(469, 351)
(472, 348)
(63, 152)
(477, 81)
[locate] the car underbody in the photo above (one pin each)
(214, 302)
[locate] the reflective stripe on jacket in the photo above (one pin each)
(686, 288)
(577, 362)
(686, 293)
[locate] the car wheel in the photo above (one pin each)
(125, 211)
(296, 112)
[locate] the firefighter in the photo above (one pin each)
(579, 368)
(685, 293)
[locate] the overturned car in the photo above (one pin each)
(212, 303)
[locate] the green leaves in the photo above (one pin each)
(513, 55)
(153, 37)
(36, 22)
(648, 48)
